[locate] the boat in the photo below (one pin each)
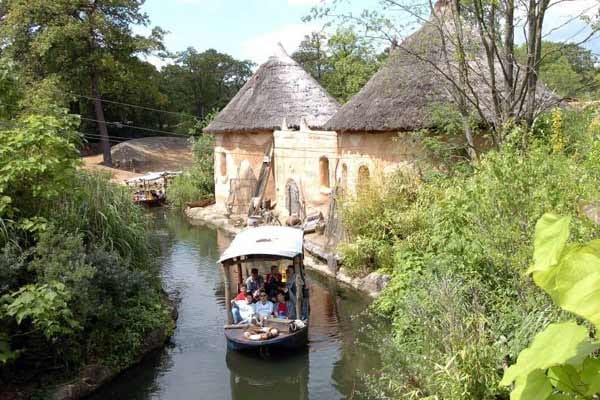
(266, 246)
(150, 189)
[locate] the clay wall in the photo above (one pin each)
(238, 160)
(308, 159)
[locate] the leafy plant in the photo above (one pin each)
(560, 360)
(45, 306)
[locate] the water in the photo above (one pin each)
(197, 365)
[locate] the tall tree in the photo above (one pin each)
(312, 55)
(342, 63)
(199, 83)
(78, 41)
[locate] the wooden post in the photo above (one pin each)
(240, 277)
(227, 293)
(299, 288)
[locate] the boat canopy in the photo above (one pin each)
(265, 240)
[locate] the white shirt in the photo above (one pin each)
(264, 310)
(246, 310)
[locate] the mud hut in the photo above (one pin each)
(280, 90)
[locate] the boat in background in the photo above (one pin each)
(151, 189)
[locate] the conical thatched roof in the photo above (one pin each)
(279, 89)
(403, 93)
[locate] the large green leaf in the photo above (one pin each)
(590, 375)
(566, 379)
(575, 283)
(551, 234)
(534, 386)
(558, 344)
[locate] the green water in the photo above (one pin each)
(197, 365)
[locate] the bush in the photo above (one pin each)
(458, 301)
(196, 183)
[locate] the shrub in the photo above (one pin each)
(458, 301)
(197, 182)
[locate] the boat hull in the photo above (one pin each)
(294, 341)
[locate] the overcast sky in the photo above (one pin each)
(250, 29)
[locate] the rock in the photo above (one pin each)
(375, 282)
(592, 211)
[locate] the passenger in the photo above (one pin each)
(242, 294)
(264, 308)
(274, 273)
(291, 283)
(273, 283)
(254, 282)
(284, 309)
(243, 310)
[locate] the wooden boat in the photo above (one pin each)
(150, 189)
(285, 341)
(270, 245)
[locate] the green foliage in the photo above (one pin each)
(342, 63)
(376, 217)
(124, 330)
(567, 68)
(458, 300)
(561, 357)
(45, 306)
(199, 83)
(197, 182)
(37, 162)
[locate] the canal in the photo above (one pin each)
(197, 365)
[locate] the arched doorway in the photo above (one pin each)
(324, 172)
(292, 198)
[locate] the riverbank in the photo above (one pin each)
(315, 256)
(93, 376)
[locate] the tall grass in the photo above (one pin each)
(105, 214)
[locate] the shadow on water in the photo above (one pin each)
(197, 365)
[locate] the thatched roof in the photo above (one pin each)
(279, 89)
(403, 93)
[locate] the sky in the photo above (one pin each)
(250, 29)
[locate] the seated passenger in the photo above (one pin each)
(243, 310)
(274, 273)
(254, 282)
(284, 309)
(273, 283)
(242, 294)
(264, 308)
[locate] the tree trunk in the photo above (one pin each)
(509, 60)
(100, 121)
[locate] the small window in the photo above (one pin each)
(324, 172)
(223, 164)
(363, 177)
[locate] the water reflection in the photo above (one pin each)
(196, 365)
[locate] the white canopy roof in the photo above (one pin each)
(266, 240)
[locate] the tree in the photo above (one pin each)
(312, 56)
(342, 63)
(477, 48)
(78, 41)
(199, 83)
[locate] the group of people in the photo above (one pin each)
(262, 298)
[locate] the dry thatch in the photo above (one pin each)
(279, 89)
(403, 93)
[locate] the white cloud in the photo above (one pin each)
(260, 48)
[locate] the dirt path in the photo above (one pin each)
(136, 157)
